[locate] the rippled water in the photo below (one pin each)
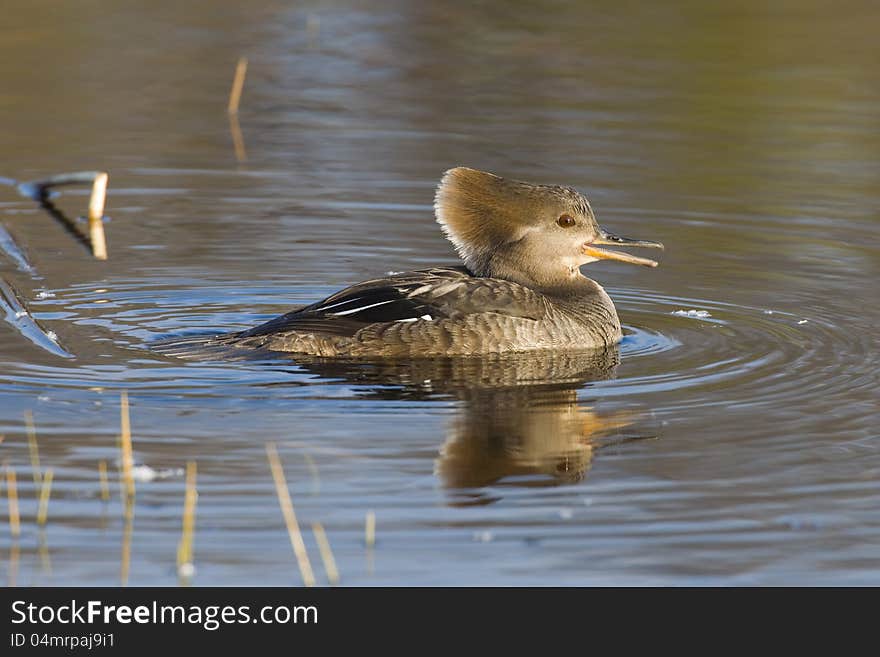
(732, 437)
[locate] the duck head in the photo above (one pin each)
(537, 235)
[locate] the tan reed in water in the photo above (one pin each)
(45, 492)
(102, 478)
(296, 539)
(125, 564)
(33, 448)
(370, 529)
(125, 445)
(237, 85)
(96, 216)
(12, 501)
(237, 138)
(128, 487)
(232, 109)
(326, 553)
(185, 547)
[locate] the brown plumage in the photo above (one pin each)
(520, 288)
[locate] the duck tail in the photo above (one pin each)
(194, 347)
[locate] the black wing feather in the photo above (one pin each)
(436, 293)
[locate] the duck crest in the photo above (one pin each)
(478, 211)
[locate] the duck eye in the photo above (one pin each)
(566, 221)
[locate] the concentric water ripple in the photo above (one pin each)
(758, 356)
(701, 351)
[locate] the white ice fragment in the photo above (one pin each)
(483, 537)
(426, 317)
(43, 398)
(186, 570)
(768, 312)
(803, 321)
(45, 294)
(20, 313)
(143, 473)
(566, 514)
(393, 273)
(701, 314)
(52, 335)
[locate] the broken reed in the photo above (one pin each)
(370, 529)
(45, 492)
(128, 491)
(326, 553)
(185, 547)
(232, 109)
(237, 85)
(125, 447)
(96, 216)
(296, 539)
(102, 478)
(33, 449)
(12, 502)
(38, 190)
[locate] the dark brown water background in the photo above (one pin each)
(740, 447)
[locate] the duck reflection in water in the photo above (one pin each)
(520, 421)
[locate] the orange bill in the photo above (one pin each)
(606, 238)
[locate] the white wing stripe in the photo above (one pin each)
(360, 308)
(426, 318)
(339, 303)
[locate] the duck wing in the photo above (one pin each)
(428, 294)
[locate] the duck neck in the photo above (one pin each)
(561, 281)
(518, 266)
(573, 293)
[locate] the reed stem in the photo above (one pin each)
(33, 448)
(125, 444)
(12, 501)
(45, 492)
(96, 216)
(237, 85)
(185, 547)
(293, 531)
(326, 553)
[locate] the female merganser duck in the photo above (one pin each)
(520, 288)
